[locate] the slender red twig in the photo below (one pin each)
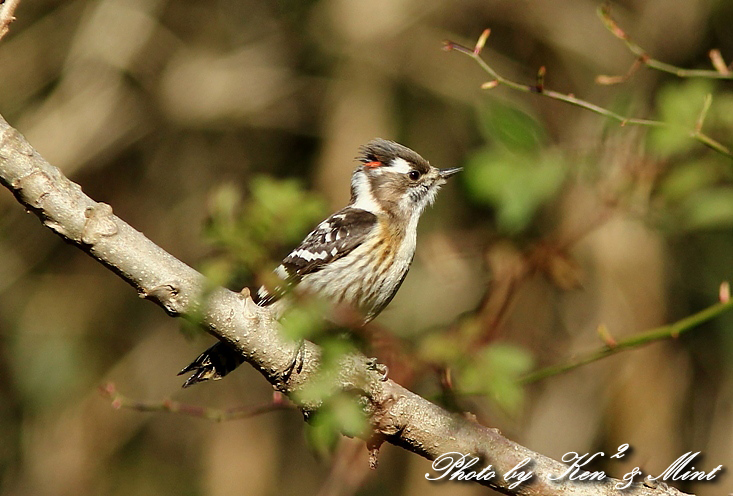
(496, 80)
(643, 58)
(119, 400)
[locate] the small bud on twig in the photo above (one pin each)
(718, 62)
(609, 80)
(724, 292)
(541, 79)
(605, 14)
(606, 337)
(481, 42)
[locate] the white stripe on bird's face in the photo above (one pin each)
(363, 192)
(401, 165)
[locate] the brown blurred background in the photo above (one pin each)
(562, 221)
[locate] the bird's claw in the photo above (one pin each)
(373, 364)
(296, 363)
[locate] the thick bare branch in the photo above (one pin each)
(396, 414)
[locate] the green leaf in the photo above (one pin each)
(285, 206)
(322, 433)
(349, 416)
(323, 386)
(495, 373)
(709, 209)
(439, 348)
(252, 234)
(511, 127)
(679, 105)
(304, 319)
(341, 414)
(517, 185)
(721, 111)
(687, 178)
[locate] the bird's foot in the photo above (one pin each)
(372, 364)
(296, 363)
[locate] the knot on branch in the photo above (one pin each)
(99, 224)
(384, 421)
(251, 309)
(169, 296)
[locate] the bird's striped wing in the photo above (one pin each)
(332, 239)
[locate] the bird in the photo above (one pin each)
(360, 255)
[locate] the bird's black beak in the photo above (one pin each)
(446, 173)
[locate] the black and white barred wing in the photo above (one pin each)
(332, 239)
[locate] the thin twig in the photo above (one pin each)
(571, 99)
(604, 12)
(497, 79)
(703, 113)
(669, 331)
(717, 60)
(121, 401)
(7, 15)
(609, 80)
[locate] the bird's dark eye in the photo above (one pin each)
(414, 174)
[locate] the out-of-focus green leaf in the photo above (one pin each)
(689, 177)
(304, 319)
(333, 349)
(277, 214)
(515, 184)
(510, 127)
(709, 209)
(340, 414)
(51, 368)
(439, 348)
(321, 387)
(679, 104)
(348, 414)
(322, 433)
(284, 208)
(668, 141)
(317, 389)
(722, 110)
(495, 373)
(217, 270)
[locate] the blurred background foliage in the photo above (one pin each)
(225, 129)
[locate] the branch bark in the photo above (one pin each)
(7, 15)
(396, 414)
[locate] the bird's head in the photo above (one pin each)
(395, 180)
